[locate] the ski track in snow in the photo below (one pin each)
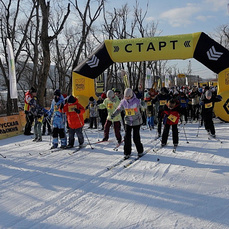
(186, 189)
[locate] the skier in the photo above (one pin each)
(29, 117)
(102, 112)
(133, 121)
(162, 98)
(37, 111)
(92, 112)
(183, 100)
(207, 104)
(195, 97)
(150, 111)
(111, 103)
(74, 111)
(58, 120)
(170, 115)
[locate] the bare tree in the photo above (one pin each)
(13, 27)
(87, 18)
(222, 35)
(46, 39)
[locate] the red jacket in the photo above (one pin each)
(171, 116)
(75, 120)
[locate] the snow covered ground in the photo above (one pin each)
(186, 189)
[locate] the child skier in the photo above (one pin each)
(150, 111)
(37, 111)
(133, 121)
(74, 111)
(92, 112)
(111, 103)
(171, 115)
(58, 120)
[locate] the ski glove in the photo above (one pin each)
(77, 111)
(61, 106)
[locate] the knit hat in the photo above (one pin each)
(171, 103)
(57, 92)
(71, 99)
(110, 94)
(103, 96)
(91, 99)
(128, 92)
(33, 90)
(208, 94)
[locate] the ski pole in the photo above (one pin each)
(185, 135)
(84, 131)
(198, 129)
(47, 119)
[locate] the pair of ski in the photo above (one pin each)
(74, 150)
(77, 148)
(130, 162)
(162, 147)
(115, 148)
(47, 152)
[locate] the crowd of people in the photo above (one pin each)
(165, 108)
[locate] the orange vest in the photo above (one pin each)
(75, 120)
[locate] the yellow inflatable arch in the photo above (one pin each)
(195, 45)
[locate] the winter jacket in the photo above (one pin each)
(171, 116)
(75, 120)
(131, 107)
(150, 111)
(93, 112)
(162, 100)
(111, 107)
(208, 105)
(58, 119)
(195, 96)
(183, 101)
(36, 110)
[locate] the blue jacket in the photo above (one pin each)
(58, 119)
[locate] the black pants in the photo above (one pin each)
(165, 134)
(29, 121)
(93, 121)
(195, 112)
(136, 139)
(184, 113)
(46, 123)
(159, 124)
(79, 133)
(208, 123)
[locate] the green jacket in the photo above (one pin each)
(111, 107)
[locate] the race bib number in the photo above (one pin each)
(172, 118)
(130, 112)
(162, 102)
(110, 106)
(149, 103)
(71, 108)
(208, 105)
(183, 101)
